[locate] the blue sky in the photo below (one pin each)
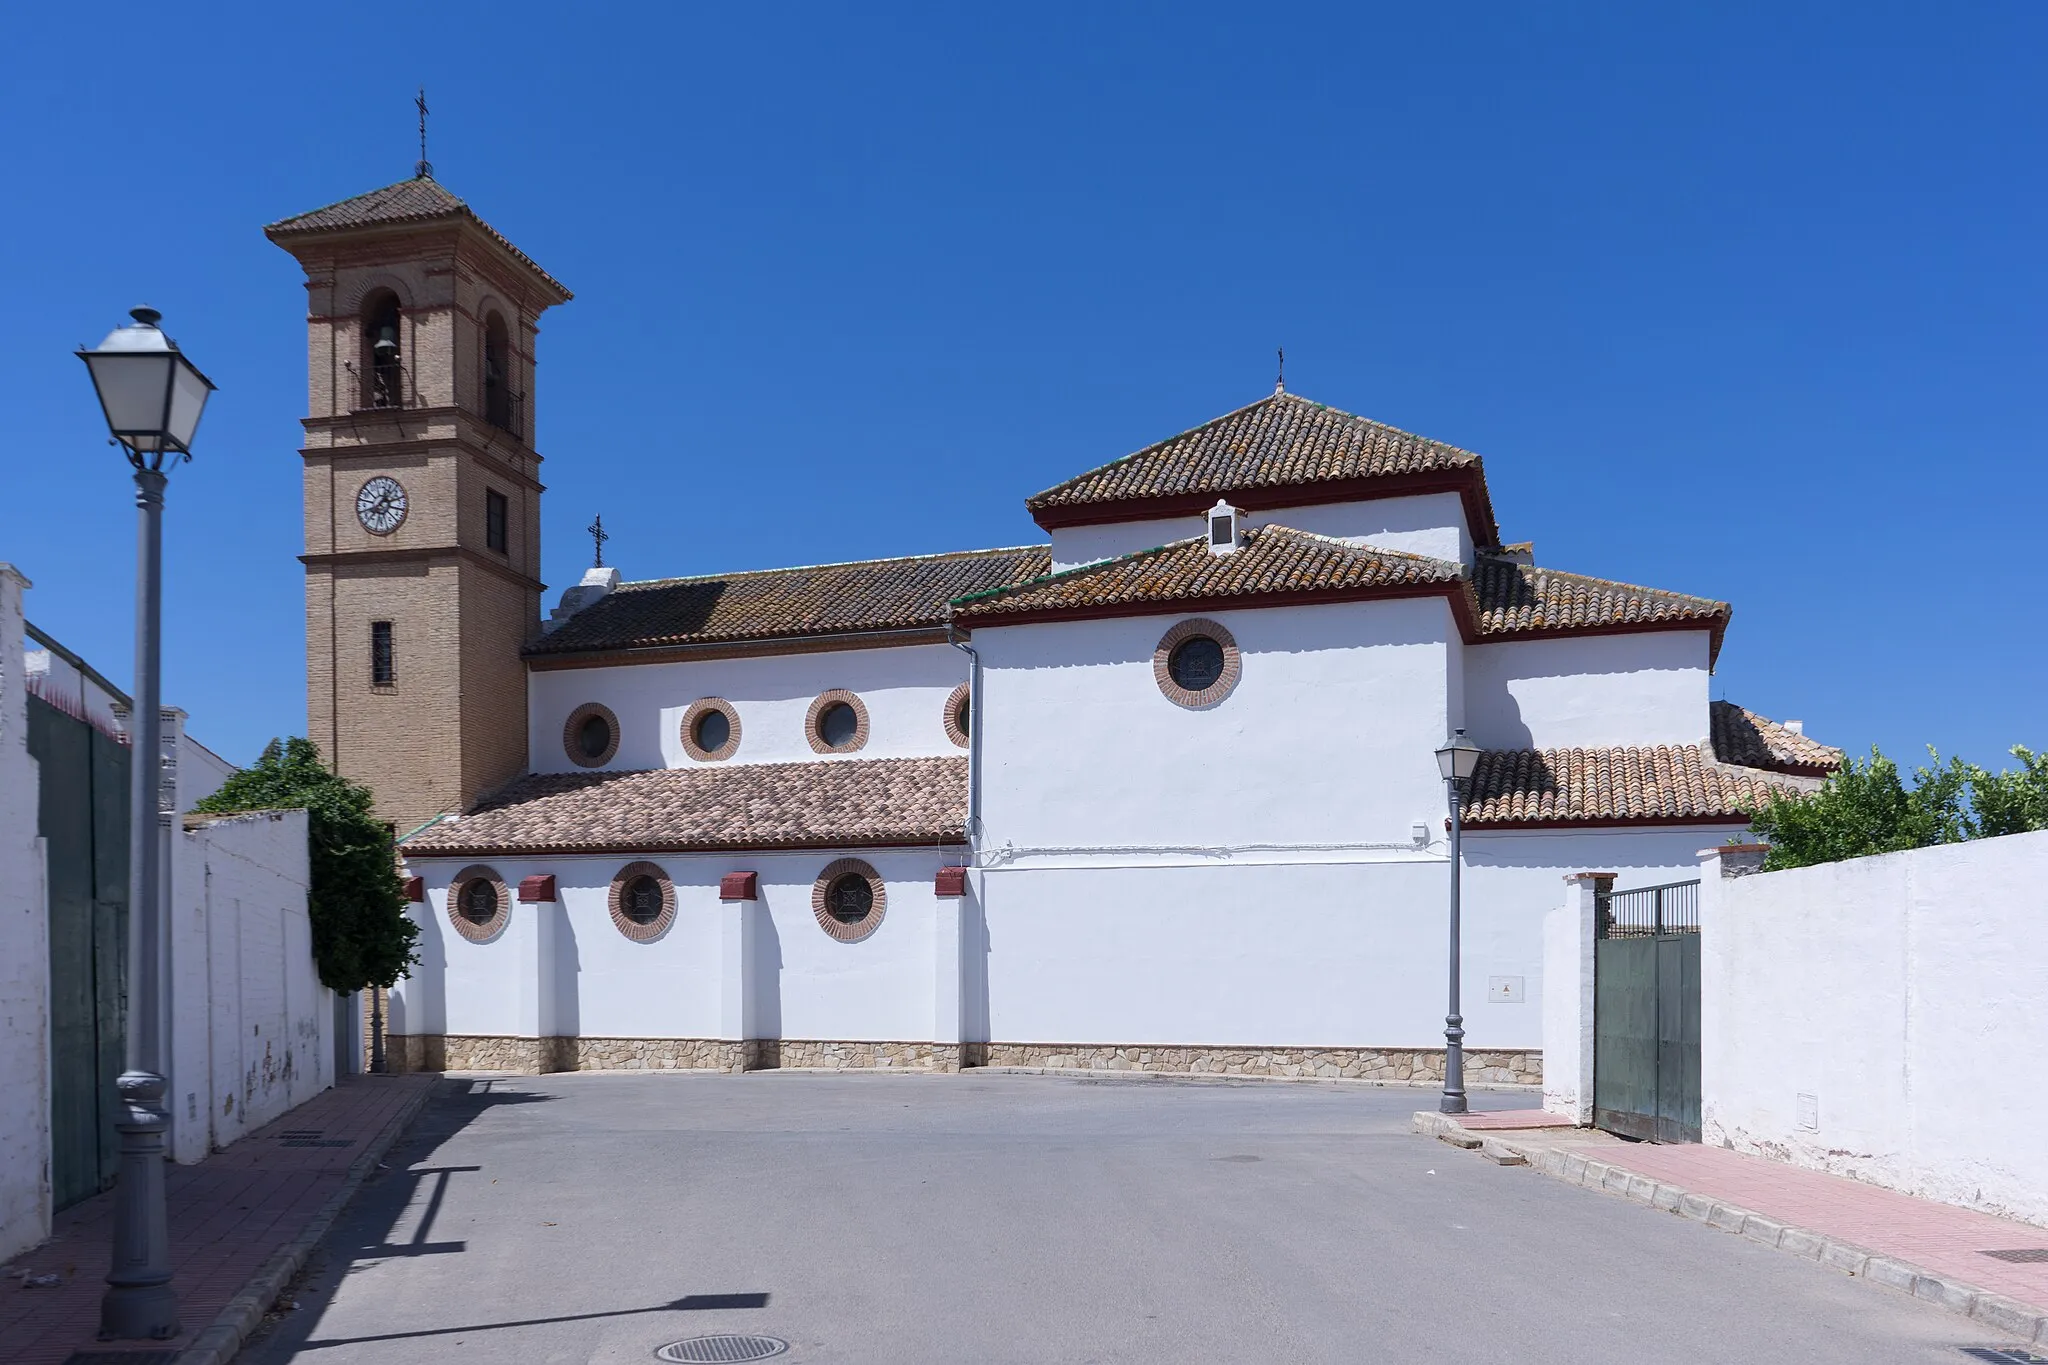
(1740, 301)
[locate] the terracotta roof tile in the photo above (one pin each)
(1753, 741)
(1521, 598)
(1283, 440)
(1502, 599)
(1271, 559)
(826, 599)
(1670, 783)
(419, 200)
(825, 804)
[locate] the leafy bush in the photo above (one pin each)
(361, 934)
(1867, 808)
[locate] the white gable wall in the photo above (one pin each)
(904, 690)
(1328, 739)
(1427, 524)
(1588, 691)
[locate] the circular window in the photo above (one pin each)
(1196, 664)
(711, 730)
(643, 902)
(959, 716)
(849, 900)
(837, 724)
(591, 735)
(479, 905)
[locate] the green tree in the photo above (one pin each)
(362, 936)
(1867, 808)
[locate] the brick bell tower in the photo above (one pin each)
(422, 493)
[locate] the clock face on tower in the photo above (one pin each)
(380, 505)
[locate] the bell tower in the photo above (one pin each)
(422, 493)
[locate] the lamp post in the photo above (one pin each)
(1457, 760)
(152, 397)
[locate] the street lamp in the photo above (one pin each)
(1457, 760)
(152, 397)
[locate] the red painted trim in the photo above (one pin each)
(1736, 820)
(1468, 484)
(740, 886)
(951, 881)
(416, 890)
(537, 888)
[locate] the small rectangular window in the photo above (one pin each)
(383, 670)
(494, 520)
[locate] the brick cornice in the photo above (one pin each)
(347, 558)
(1608, 822)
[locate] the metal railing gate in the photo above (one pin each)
(1646, 1012)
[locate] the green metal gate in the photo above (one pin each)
(83, 818)
(1646, 1013)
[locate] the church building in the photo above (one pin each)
(1159, 793)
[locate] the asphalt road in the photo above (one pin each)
(995, 1218)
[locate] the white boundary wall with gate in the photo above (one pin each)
(1885, 1018)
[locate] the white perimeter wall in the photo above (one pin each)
(563, 968)
(904, 690)
(1884, 1018)
(1589, 691)
(251, 1023)
(24, 954)
(1428, 524)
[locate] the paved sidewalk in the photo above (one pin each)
(1945, 1251)
(229, 1215)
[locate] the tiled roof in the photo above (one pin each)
(1500, 600)
(1753, 741)
(1521, 598)
(1283, 441)
(833, 803)
(1669, 783)
(419, 200)
(768, 604)
(1271, 559)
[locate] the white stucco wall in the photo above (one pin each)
(251, 1035)
(904, 690)
(564, 968)
(24, 953)
(1426, 524)
(1883, 1018)
(1326, 746)
(1589, 691)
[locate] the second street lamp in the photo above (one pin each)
(152, 397)
(1457, 760)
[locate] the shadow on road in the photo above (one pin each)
(408, 1180)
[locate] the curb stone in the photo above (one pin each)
(223, 1337)
(2025, 1321)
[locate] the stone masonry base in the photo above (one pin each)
(531, 1056)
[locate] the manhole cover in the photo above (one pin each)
(2021, 1255)
(721, 1347)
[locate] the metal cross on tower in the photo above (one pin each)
(597, 538)
(423, 169)
(1280, 379)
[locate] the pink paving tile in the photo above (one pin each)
(1937, 1237)
(228, 1216)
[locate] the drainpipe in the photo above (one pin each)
(974, 727)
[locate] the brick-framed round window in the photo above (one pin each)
(642, 901)
(1196, 664)
(849, 900)
(479, 903)
(591, 735)
(711, 730)
(837, 723)
(959, 715)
